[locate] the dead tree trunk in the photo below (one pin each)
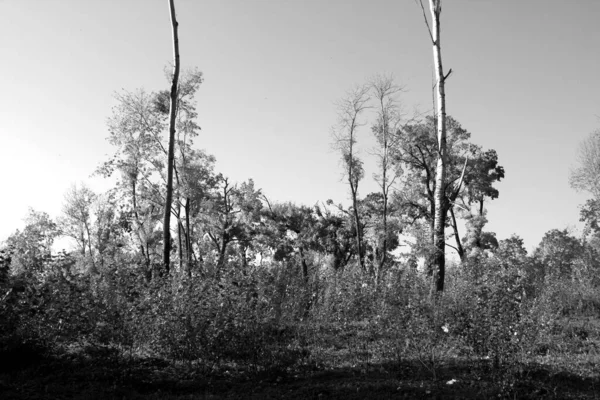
(171, 153)
(439, 239)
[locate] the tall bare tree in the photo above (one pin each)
(344, 135)
(171, 154)
(439, 239)
(386, 130)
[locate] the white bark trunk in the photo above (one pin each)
(439, 267)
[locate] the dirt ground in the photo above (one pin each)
(80, 377)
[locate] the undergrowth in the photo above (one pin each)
(250, 326)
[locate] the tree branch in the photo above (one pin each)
(460, 182)
(268, 203)
(449, 245)
(448, 74)
(426, 21)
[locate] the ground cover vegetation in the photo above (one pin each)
(264, 299)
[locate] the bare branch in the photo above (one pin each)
(461, 206)
(449, 245)
(268, 203)
(448, 74)
(462, 176)
(426, 21)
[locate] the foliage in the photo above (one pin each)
(558, 252)
(31, 248)
(471, 174)
(586, 176)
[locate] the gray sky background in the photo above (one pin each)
(525, 82)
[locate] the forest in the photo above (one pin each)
(181, 283)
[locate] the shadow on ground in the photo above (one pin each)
(33, 375)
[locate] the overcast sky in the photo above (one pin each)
(525, 82)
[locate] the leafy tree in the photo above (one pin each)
(481, 173)
(297, 231)
(31, 249)
(567, 270)
(470, 173)
(382, 230)
(512, 251)
(336, 233)
(497, 283)
(293, 233)
(136, 129)
(586, 176)
(196, 180)
(108, 234)
(76, 221)
(5, 261)
(476, 239)
(228, 216)
(558, 252)
(590, 214)
(191, 166)
(417, 156)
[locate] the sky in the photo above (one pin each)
(524, 83)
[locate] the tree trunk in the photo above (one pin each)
(187, 234)
(304, 267)
(148, 269)
(359, 239)
(171, 154)
(478, 239)
(305, 278)
(440, 176)
(82, 240)
(459, 247)
(354, 193)
(384, 192)
(385, 232)
(89, 236)
(243, 251)
(179, 242)
(222, 250)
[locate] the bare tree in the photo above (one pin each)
(439, 239)
(344, 135)
(171, 154)
(385, 130)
